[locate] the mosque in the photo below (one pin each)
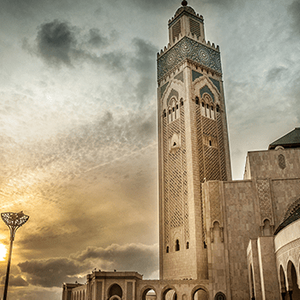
(219, 239)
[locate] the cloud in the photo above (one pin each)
(275, 73)
(15, 280)
(153, 4)
(144, 63)
(59, 43)
(130, 257)
(294, 10)
(96, 39)
(51, 272)
(56, 42)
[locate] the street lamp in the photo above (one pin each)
(13, 221)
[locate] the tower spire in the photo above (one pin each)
(184, 3)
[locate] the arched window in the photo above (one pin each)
(282, 283)
(266, 228)
(115, 290)
(187, 245)
(292, 280)
(177, 246)
(200, 294)
(167, 250)
(149, 294)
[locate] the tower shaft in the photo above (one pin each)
(193, 143)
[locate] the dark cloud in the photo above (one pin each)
(294, 10)
(130, 257)
(96, 39)
(153, 4)
(56, 42)
(15, 280)
(144, 63)
(275, 73)
(52, 272)
(113, 61)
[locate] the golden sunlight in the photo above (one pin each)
(3, 251)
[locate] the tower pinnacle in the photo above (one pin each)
(184, 3)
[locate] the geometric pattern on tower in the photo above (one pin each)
(187, 48)
(196, 75)
(173, 93)
(179, 76)
(216, 83)
(265, 201)
(206, 89)
(175, 179)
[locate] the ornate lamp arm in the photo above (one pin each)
(14, 221)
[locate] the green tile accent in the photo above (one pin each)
(206, 89)
(216, 83)
(163, 88)
(179, 76)
(196, 75)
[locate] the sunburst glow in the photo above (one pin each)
(3, 251)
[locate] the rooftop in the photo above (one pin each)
(290, 140)
(292, 214)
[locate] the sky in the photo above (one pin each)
(78, 133)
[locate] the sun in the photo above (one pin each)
(3, 251)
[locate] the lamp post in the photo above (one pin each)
(13, 221)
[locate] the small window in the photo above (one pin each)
(177, 246)
(187, 245)
(209, 143)
(197, 100)
(181, 103)
(167, 249)
(207, 106)
(165, 113)
(202, 104)
(173, 108)
(218, 108)
(204, 245)
(212, 108)
(169, 111)
(177, 106)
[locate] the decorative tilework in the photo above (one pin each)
(265, 202)
(176, 30)
(163, 88)
(190, 14)
(216, 83)
(187, 48)
(179, 76)
(173, 93)
(206, 89)
(281, 161)
(196, 75)
(194, 27)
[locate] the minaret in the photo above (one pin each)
(193, 142)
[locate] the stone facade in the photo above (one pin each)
(219, 239)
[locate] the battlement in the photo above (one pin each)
(192, 36)
(176, 16)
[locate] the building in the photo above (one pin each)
(219, 239)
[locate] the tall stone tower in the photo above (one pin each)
(193, 142)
